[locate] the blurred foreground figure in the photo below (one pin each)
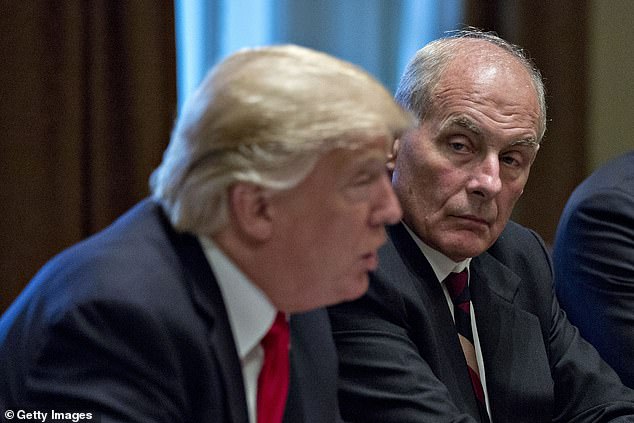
(270, 202)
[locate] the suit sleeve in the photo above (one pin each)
(586, 389)
(108, 359)
(383, 378)
(594, 259)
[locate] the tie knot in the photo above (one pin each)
(278, 334)
(456, 284)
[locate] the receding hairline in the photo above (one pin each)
(426, 68)
(461, 47)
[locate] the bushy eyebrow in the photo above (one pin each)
(369, 159)
(528, 142)
(466, 123)
(471, 126)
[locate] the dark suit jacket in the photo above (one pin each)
(594, 262)
(401, 361)
(131, 324)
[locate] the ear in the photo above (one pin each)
(249, 208)
(391, 158)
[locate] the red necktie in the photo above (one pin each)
(274, 376)
(458, 288)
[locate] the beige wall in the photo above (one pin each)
(611, 81)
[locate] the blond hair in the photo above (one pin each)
(265, 116)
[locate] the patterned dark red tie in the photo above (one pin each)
(274, 376)
(458, 288)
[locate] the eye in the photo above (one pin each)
(362, 178)
(361, 185)
(459, 144)
(514, 159)
(367, 176)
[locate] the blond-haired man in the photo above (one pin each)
(270, 203)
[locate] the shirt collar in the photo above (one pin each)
(251, 314)
(440, 263)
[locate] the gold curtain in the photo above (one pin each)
(554, 34)
(87, 101)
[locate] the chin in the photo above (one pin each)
(345, 290)
(358, 287)
(462, 254)
(464, 248)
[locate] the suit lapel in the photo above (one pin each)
(493, 287)
(509, 337)
(447, 353)
(312, 392)
(208, 300)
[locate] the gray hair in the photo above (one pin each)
(423, 72)
(265, 116)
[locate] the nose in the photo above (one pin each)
(485, 180)
(387, 210)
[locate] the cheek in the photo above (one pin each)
(511, 195)
(333, 232)
(505, 206)
(345, 238)
(344, 230)
(439, 189)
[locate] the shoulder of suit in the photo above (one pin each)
(519, 243)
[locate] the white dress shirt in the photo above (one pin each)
(442, 267)
(251, 315)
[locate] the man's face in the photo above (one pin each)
(460, 173)
(331, 226)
